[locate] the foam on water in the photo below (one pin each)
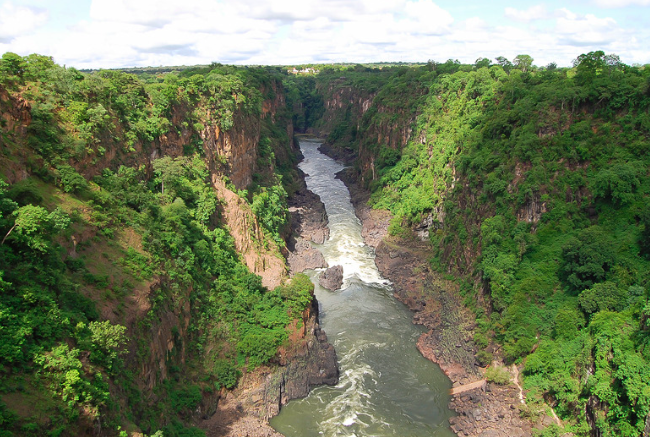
(386, 388)
(345, 246)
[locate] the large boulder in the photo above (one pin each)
(332, 278)
(305, 257)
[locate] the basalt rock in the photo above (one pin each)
(308, 223)
(332, 278)
(305, 257)
(308, 362)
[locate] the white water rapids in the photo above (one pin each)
(386, 387)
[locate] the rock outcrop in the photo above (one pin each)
(332, 278)
(305, 257)
(245, 411)
(309, 360)
(308, 224)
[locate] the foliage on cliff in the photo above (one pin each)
(536, 187)
(124, 302)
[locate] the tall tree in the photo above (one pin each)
(523, 62)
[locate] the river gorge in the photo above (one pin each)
(386, 388)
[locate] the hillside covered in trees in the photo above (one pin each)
(138, 211)
(533, 185)
(128, 301)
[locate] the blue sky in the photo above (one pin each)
(128, 33)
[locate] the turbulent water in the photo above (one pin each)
(386, 387)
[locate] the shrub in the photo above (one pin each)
(603, 296)
(226, 373)
(484, 358)
(185, 398)
(587, 258)
(70, 180)
(498, 375)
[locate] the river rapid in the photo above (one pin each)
(386, 387)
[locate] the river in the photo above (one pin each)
(386, 387)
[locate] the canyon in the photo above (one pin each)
(163, 223)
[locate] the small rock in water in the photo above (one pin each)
(332, 278)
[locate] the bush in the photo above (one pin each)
(618, 183)
(603, 296)
(498, 375)
(484, 358)
(185, 398)
(298, 294)
(587, 258)
(226, 373)
(70, 180)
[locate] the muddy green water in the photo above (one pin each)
(386, 387)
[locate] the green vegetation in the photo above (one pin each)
(112, 244)
(498, 375)
(536, 182)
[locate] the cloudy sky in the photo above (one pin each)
(128, 33)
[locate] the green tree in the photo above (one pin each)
(504, 63)
(604, 296)
(12, 67)
(523, 62)
(644, 237)
(34, 223)
(587, 258)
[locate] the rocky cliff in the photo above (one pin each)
(153, 174)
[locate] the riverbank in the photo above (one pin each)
(309, 361)
(488, 410)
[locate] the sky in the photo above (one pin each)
(142, 33)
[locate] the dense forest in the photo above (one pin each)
(126, 306)
(533, 183)
(124, 302)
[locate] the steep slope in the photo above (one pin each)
(135, 215)
(532, 188)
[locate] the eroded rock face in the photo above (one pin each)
(308, 223)
(315, 366)
(310, 361)
(308, 216)
(494, 412)
(305, 257)
(332, 278)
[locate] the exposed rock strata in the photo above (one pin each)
(436, 304)
(305, 257)
(309, 362)
(249, 237)
(308, 224)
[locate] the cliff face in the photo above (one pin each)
(230, 155)
(56, 146)
(510, 184)
(370, 119)
(389, 128)
(343, 107)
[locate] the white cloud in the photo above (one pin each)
(427, 18)
(587, 29)
(533, 13)
(621, 3)
(18, 20)
(172, 32)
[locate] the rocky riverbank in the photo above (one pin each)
(489, 410)
(309, 362)
(308, 223)
(246, 410)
